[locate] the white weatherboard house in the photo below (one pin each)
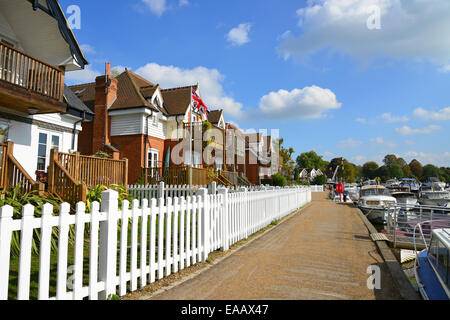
(37, 111)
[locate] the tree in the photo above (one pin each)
(396, 171)
(389, 160)
(347, 170)
(286, 155)
(407, 173)
(319, 180)
(430, 171)
(369, 170)
(383, 173)
(311, 160)
(416, 168)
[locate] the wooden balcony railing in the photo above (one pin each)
(27, 72)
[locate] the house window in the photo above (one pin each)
(46, 143)
(152, 158)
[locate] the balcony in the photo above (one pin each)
(29, 85)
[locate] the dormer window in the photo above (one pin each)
(157, 103)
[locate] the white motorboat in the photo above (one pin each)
(404, 196)
(373, 202)
(434, 195)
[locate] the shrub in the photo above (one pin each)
(17, 201)
(320, 180)
(278, 180)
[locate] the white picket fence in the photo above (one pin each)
(135, 245)
(317, 188)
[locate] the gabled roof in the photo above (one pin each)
(214, 116)
(129, 92)
(177, 100)
(76, 107)
(86, 93)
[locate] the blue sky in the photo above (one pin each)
(357, 78)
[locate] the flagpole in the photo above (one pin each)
(190, 140)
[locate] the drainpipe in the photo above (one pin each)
(83, 118)
(146, 138)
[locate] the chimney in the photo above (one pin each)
(105, 95)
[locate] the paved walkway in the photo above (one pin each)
(321, 253)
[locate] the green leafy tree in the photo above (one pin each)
(369, 170)
(319, 180)
(383, 173)
(416, 168)
(396, 171)
(311, 160)
(430, 171)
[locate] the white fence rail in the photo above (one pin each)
(114, 251)
(317, 189)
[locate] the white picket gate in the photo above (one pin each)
(138, 244)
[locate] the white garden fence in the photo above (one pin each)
(317, 188)
(115, 251)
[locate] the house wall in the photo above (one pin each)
(134, 148)
(25, 136)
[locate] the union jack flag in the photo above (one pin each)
(198, 103)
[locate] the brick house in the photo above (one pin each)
(136, 119)
(258, 156)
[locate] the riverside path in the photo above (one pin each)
(321, 252)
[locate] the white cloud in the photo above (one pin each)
(209, 80)
(440, 115)
(156, 6)
(365, 121)
(410, 142)
(328, 155)
(87, 49)
(349, 143)
(82, 76)
(381, 142)
(182, 3)
(359, 160)
(440, 160)
(388, 117)
(410, 29)
(239, 36)
(307, 103)
(406, 131)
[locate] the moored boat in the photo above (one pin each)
(373, 202)
(404, 197)
(434, 195)
(432, 267)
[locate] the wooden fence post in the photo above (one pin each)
(108, 243)
(77, 166)
(51, 170)
(125, 174)
(224, 220)
(9, 152)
